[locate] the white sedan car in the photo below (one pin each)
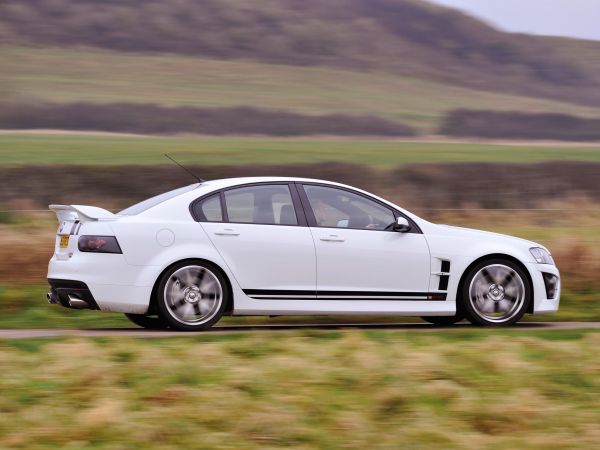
(290, 246)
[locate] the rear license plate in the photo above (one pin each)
(64, 241)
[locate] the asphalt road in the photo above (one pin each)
(141, 333)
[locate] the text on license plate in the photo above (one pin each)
(64, 241)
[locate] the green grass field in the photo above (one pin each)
(70, 75)
(306, 390)
(39, 148)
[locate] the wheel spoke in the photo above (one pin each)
(487, 276)
(188, 278)
(206, 285)
(178, 304)
(487, 305)
(186, 310)
(507, 279)
(205, 305)
(177, 286)
(199, 278)
(196, 307)
(505, 305)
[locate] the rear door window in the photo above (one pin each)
(262, 204)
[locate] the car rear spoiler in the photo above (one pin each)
(81, 212)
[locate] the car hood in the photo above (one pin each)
(485, 235)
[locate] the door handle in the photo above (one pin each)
(227, 232)
(332, 238)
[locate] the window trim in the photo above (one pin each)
(300, 215)
(304, 213)
(312, 221)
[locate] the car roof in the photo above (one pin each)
(227, 182)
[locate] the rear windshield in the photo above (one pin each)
(153, 201)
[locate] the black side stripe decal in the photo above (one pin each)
(266, 294)
(277, 292)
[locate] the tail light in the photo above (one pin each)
(99, 244)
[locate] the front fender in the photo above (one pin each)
(463, 249)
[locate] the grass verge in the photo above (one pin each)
(351, 389)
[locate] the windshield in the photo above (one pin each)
(153, 201)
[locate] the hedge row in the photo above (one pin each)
(155, 119)
(518, 125)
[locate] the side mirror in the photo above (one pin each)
(401, 225)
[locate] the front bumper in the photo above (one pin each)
(70, 294)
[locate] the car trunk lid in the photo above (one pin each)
(70, 220)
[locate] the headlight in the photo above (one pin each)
(541, 255)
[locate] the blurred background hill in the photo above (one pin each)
(406, 61)
(410, 37)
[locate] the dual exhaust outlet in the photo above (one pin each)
(73, 301)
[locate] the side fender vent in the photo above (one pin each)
(444, 276)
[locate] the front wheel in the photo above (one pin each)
(192, 296)
(496, 293)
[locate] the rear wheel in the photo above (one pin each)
(192, 296)
(443, 320)
(496, 292)
(149, 322)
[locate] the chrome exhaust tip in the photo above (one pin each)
(51, 297)
(77, 303)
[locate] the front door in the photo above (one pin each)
(358, 256)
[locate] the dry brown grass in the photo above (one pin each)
(26, 247)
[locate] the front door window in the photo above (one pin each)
(338, 208)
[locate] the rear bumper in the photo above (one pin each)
(71, 294)
(105, 279)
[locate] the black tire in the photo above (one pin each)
(443, 321)
(148, 322)
(471, 304)
(167, 308)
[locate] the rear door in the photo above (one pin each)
(261, 233)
